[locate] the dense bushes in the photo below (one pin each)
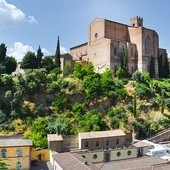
(66, 113)
(116, 116)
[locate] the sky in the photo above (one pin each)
(26, 24)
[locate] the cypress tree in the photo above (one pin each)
(3, 50)
(39, 57)
(162, 101)
(57, 55)
(134, 105)
(152, 67)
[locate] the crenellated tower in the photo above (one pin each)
(136, 22)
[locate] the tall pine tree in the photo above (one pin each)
(39, 57)
(57, 55)
(3, 50)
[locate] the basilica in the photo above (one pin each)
(109, 41)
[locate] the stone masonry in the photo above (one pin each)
(107, 39)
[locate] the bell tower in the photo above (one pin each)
(136, 22)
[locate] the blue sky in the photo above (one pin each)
(26, 24)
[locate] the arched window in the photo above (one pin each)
(3, 153)
(18, 166)
(19, 152)
(147, 45)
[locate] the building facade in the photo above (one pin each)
(94, 147)
(111, 43)
(16, 153)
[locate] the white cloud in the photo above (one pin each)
(19, 50)
(32, 20)
(45, 52)
(10, 15)
(63, 50)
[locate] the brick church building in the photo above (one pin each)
(109, 41)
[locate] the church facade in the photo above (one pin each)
(110, 43)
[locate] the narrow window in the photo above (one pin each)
(97, 143)
(115, 69)
(132, 69)
(96, 35)
(86, 144)
(117, 141)
(18, 166)
(115, 51)
(107, 142)
(4, 153)
(19, 152)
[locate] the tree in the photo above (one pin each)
(162, 101)
(59, 126)
(3, 50)
(57, 55)
(38, 133)
(10, 64)
(2, 69)
(119, 73)
(39, 57)
(3, 165)
(124, 60)
(29, 61)
(134, 106)
(152, 67)
(48, 63)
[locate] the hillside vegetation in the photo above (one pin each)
(39, 103)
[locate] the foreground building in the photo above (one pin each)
(112, 44)
(16, 153)
(91, 148)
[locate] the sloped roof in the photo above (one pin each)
(80, 45)
(101, 134)
(74, 161)
(54, 137)
(142, 163)
(15, 142)
(66, 56)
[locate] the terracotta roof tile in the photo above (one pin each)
(142, 163)
(74, 161)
